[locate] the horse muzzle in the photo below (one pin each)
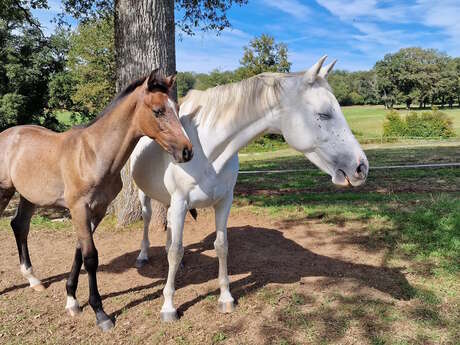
(356, 178)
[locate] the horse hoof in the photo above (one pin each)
(106, 325)
(74, 310)
(168, 316)
(38, 287)
(226, 307)
(141, 263)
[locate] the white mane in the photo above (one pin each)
(249, 98)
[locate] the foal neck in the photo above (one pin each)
(115, 135)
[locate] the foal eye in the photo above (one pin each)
(157, 112)
(324, 116)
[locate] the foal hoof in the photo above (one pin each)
(106, 325)
(168, 316)
(226, 307)
(74, 310)
(141, 263)
(38, 287)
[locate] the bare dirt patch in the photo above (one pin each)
(300, 282)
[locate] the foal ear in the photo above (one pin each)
(154, 79)
(311, 75)
(171, 80)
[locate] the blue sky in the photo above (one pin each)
(356, 32)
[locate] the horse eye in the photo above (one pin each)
(157, 112)
(324, 116)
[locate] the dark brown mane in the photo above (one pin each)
(125, 92)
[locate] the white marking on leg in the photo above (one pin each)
(28, 273)
(71, 303)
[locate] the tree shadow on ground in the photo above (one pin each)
(265, 256)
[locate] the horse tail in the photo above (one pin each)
(193, 213)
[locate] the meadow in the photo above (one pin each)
(368, 120)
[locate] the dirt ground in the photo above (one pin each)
(286, 277)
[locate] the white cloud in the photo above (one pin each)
(373, 18)
(291, 7)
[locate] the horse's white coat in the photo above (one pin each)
(221, 121)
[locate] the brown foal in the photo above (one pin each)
(80, 170)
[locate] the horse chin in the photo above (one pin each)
(340, 178)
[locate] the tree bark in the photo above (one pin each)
(144, 40)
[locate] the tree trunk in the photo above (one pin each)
(144, 40)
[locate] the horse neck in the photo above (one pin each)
(221, 142)
(114, 135)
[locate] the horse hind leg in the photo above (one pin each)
(143, 257)
(20, 224)
(5, 197)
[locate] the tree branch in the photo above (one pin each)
(28, 17)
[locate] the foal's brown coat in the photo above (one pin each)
(80, 169)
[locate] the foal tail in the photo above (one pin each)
(5, 197)
(6, 188)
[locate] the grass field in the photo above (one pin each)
(368, 120)
(414, 214)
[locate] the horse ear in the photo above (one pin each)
(153, 79)
(311, 75)
(171, 80)
(327, 69)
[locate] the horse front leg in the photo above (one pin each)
(84, 226)
(175, 251)
(222, 211)
(72, 305)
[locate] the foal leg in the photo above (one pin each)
(143, 257)
(222, 210)
(175, 250)
(82, 222)
(72, 305)
(20, 224)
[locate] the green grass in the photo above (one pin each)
(368, 120)
(413, 215)
(415, 212)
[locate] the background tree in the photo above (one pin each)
(263, 55)
(185, 82)
(416, 74)
(91, 66)
(28, 62)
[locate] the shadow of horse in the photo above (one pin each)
(265, 256)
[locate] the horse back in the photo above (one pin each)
(30, 157)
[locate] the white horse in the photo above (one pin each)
(219, 122)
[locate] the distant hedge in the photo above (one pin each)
(428, 124)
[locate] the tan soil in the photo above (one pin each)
(306, 257)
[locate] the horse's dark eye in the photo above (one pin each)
(324, 116)
(157, 112)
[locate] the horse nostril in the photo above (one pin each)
(361, 171)
(187, 154)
